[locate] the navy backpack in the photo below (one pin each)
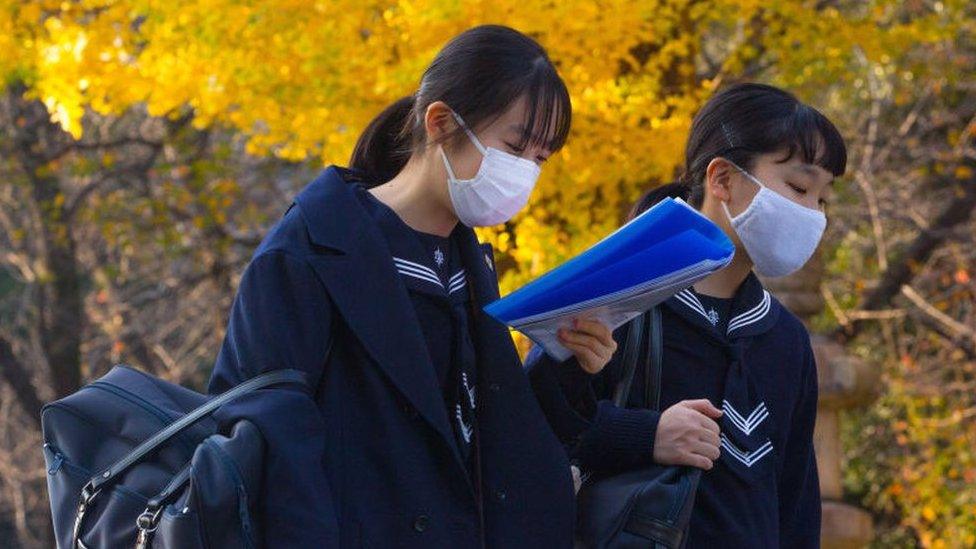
(136, 461)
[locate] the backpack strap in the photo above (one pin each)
(149, 519)
(628, 360)
(652, 372)
(650, 323)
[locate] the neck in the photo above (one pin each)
(411, 195)
(726, 282)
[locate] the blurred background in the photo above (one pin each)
(146, 146)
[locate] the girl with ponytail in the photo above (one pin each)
(738, 388)
(421, 429)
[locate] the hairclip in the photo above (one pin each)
(729, 136)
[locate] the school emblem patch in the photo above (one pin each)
(713, 317)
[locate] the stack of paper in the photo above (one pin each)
(663, 251)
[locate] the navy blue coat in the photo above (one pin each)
(385, 471)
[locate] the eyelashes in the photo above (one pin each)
(519, 150)
(802, 192)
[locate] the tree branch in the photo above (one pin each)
(19, 379)
(957, 328)
(902, 272)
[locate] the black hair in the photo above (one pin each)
(655, 195)
(479, 74)
(746, 120)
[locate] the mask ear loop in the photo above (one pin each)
(447, 165)
(749, 176)
(474, 140)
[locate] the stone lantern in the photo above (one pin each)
(845, 382)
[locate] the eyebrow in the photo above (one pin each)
(517, 128)
(520, 130)
(812, 172)
(806, 168)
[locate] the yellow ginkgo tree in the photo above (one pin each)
(142, 125)
(300, 79)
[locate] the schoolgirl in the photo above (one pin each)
(373, 284)
(739, 382)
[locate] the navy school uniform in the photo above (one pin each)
(431, 269)
(383, 456)
(750, 357)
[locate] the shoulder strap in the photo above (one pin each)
(652, 373)
(273, 377)
(628, 361)
(115, 471)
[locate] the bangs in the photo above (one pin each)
(548, 109)
(815, 139)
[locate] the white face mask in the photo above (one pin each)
(497, 192)
(779, 234)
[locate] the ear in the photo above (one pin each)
(718, 179)
(439, 122)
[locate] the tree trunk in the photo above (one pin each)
(61, 315)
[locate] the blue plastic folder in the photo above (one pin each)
(661, 252)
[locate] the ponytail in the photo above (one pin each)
(385, 145)
(678, 189)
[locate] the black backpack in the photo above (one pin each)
(136, 461)
(648, 507)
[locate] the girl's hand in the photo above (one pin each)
(688, 434)
(592, 343)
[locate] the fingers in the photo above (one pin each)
(709, 437)
(699, 454)
(590, 353)
(704, 406)
(709, 451)
(709, 425)
(696, 460)
(588, 360)
(598, 330)
(688, 436)
(591, 342)
(580, 338)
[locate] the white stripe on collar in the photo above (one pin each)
(415, 270)
(416, 266)
(421, 272)
(692, 301)
(457, 276)
(460, 284)
(753, 315)
(426, 278)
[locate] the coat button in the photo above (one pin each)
(494, 387)
(500, 495)
(421, 524)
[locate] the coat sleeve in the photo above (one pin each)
(598, 434)
(281, 319)
(799, 484)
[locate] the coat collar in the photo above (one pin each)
(368, 293)
(362, 281)
(414, 262)
(332, 214)
(754, 311)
